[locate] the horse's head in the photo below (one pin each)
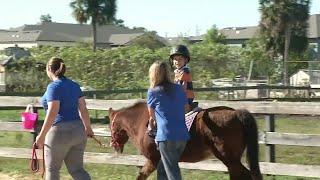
(118, 135)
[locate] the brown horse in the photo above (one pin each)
(222, 131)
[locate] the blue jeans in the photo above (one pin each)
(168, 167)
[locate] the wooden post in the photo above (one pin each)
(35, 133)
(308, 92)
(95, 111)
(270, 148)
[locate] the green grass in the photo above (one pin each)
(10, 115)
(293, 124)
(13, 115)
(18, 168)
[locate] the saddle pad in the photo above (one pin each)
(190, 117)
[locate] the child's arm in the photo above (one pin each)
(152, 118)
(186, 80)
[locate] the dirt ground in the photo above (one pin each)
(6, 177)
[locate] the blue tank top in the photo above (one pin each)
(68, 93)
(169, 112)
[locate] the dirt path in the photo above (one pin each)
(6, 177)
(19, 177)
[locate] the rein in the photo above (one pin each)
(34, 162)
(99, 142)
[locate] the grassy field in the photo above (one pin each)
(19, 168)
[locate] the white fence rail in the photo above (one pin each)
(269, 138)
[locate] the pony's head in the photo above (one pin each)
(118, 135)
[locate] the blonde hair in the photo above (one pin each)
(159, 74)
(56, 66)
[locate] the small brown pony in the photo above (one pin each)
(222, 131)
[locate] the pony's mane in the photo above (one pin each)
(132, 107)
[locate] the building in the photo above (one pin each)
(305, 77)
(3, 62)
(237, 36)
(63, 34)
(9, 54)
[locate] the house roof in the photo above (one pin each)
(174, 40)
(252, 31)
(19, 36)
(122, 39)
(314, 73)
(240, 32)
(244, 33)
(63, 32)
(5, 59)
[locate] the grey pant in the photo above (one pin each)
(168, 167)
(66, 142)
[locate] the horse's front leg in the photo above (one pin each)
(146, 170)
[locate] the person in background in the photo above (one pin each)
(166, 104)
(66, 124)
(179, 58)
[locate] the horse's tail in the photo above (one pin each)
(251, 139)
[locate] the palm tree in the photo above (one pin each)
(284, 22)
(99, 12)
(45, 18)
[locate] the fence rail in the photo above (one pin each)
(264, 137)
(270, 138)
(256, 107)
(209, 165)
(263, 90)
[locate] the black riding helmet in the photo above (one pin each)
(179, 50)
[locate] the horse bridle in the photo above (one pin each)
(114, 135)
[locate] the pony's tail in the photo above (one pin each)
(251, 139)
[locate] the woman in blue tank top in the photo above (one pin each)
(66, 124)
(166, 104)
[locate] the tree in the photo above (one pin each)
(257, 61)
(149, 40)
(214, 36)
(46, 18)
(99, 12)
(119, 23)
(284, 25)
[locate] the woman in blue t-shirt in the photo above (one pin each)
(66, 124)
(166, 104)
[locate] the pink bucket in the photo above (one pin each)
(29, 119)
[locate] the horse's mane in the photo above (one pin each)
(217, 108)
(133, 107)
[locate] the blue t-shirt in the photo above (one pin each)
(169, 112)
(68, 93)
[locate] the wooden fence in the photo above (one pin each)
(263, 92)
(270, 138)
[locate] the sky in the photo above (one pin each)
(168, 17)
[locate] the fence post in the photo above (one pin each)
(95, 111)
(36, 129)
(270, 148)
